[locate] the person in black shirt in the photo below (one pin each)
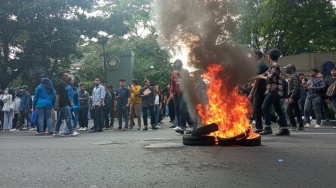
(332, 99)
(84, 108)
(63, 104)
(258, 92)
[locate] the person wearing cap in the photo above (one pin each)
(293, 97)
(314, 86)
(274, 91)
(25, 107)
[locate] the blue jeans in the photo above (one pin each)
(145, 115)
(157, 113)
(316, 104)
(273, 98)
(64, 113)
(123, 112)
(8, 120)
(44, 113)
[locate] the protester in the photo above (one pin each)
(25, 108)
(8, 110)
(329, 81)
(148, 99)
(136, 103)
(44, 101)
(157, 105)
(106, 108)
(98, 96)
(122, 96)
(84, 108)
(113, 107)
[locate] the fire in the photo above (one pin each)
(226, 107)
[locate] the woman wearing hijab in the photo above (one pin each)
(8, 110)
(44, 101)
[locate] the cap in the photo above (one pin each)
(24, 87)
(314, 70)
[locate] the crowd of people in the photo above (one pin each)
(288, 99)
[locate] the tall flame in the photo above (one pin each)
(226, 107)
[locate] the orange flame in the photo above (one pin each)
(226, 107)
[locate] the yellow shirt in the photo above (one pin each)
(135, 99)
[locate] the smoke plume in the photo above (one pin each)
(206, 27)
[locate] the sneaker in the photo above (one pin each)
(283, 132)
(258, 131)
(125, 129)
(181, 131)
(307, 125)
(158, 127)
(177, 128)
(33, 129)
(74, 133)
(301, 129)
(14, 130)
(57, 134)
(107, 128)
(334, 127)
(266, 131)
(145, 129)
(80, 129)
(84, 128)
(173, 126)
(118, 129)
(139, 128)
(154, 127)
(293, 128)
(317, 126)
(150, 126)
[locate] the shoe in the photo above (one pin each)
(292, 128)
(130, 127)
(13, 130)
(125, 129)
(93, 131)
(74, 133)
(283, 132)
(80, 129)
(150, 126)
(176, 128)
(258, 131)
(118, 129)
(307, 125)
(100, 130)
(301, 129)
(39, 134)
(334, 127)
(84, 129)
(145, 129)
(266, 131)
(139, 128)
(107, 128)
(173, 126)
(154, 127)
(181, 131)
(317, 126)
(57, 134)
(158, 127)
(33, 129)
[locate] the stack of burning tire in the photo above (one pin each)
(199, 137)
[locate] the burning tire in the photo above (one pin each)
(232, 140)
(250, 142)
(205, 130)
(198, 140)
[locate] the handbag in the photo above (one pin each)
(12, 106)
(6, 107)
(34, 117)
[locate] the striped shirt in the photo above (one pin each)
(293, 86)
(318, 85)
(274, 81)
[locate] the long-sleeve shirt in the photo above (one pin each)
(42, 99)
(293, 86)
(274, 81)
(98, 94)
(318, 85)
(26, 101)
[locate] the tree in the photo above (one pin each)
(291, 26)
(40, 37)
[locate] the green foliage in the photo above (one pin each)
(291, 26)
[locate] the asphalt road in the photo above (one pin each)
(158, 159)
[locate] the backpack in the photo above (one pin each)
(331, 91)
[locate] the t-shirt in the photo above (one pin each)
(123, 94)
(62, 90)
(261, 89)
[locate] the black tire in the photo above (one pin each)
(205, 130)
(232, 140)
(250, 142)
(198, 141)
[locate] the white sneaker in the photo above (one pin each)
(158, 127)
(176, 128)
(74, 133)
(57, 134)
(334, 127)
(149, 126)
(317, 126)
(14, 130)
(84, 129)
(80, 129)
(307, 125)
(32, 129)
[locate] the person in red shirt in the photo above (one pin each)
(176, 93)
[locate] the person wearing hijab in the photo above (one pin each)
(8, 100)
(44, 101)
